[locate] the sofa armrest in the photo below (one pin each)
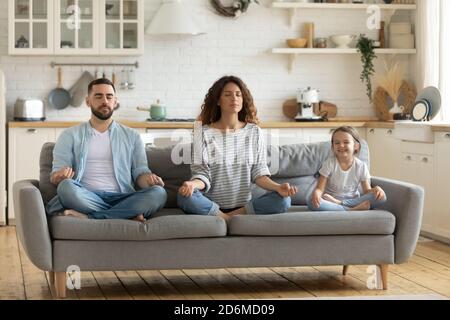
(31, 223)
(405, 201)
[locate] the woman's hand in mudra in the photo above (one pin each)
(286, 190)
(187, 189)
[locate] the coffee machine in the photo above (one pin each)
(306, 98)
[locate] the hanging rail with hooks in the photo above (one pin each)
(55, 64)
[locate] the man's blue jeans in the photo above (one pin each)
(326, 205)
(107, 205)
(270, 203)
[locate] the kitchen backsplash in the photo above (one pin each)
(179, 70)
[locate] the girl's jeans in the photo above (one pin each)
(270, 203)
(326, 205)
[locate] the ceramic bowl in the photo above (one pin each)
(342, 41)
(296, 43)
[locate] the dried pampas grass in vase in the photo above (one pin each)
(391, 82)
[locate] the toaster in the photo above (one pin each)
(29, 110)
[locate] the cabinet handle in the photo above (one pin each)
(32, 130)
(447, 135)
(425, 160)
(408, 158)
(389, 131)
(372, 131)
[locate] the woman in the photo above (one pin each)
(233, 156)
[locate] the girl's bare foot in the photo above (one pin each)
(139, 218)
(330, 198)
(75, 214)
(361, 207)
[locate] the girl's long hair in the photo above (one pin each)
(211, 110)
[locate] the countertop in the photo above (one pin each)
(332, 123)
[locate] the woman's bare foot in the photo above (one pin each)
(237, 212)
(330, 198)
(361, 207)
(75, 214)
(224, 216)
(139, 218)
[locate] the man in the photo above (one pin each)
(97, 164)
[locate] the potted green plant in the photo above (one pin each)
(366, 48)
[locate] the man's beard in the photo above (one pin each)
(100, 115)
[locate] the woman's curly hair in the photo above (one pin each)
(211, 110)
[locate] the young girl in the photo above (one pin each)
(233, 156)
(342, 174)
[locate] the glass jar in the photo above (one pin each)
(320, 43)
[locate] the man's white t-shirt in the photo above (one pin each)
(344, 184)
(99, 172)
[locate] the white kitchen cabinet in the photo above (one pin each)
(282, 136)
(316, 135)
(161, 138)
(384, 153)
(442, 186)
(76, 27)
(30, 27)
(417, 167)
(121, 27)
(23, 156)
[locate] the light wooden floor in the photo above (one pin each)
(427, 272)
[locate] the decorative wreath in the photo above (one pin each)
(382, 102)
(235, 10)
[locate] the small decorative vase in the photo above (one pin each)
(396, 108)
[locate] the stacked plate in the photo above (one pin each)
(427, 105)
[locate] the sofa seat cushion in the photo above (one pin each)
(299, 222)
(169, 224)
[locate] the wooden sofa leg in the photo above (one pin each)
(60, 284)
(51, 278)
(345, 270)
(384, 275)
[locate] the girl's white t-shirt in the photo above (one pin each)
(344, 184)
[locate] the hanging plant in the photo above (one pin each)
(367, 50)
(235, 10)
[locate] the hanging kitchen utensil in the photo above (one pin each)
(124, 80)
(131, 79)
(114, 81)
(59, 98)
(79, 90)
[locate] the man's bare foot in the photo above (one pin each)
(75, 214)
(361, 207)
(139, 218)
(330, 198)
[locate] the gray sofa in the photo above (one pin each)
(173, 240)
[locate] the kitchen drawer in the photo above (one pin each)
(442, 137)
(417, 148)
(422, 158)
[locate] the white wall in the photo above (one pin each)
(179, 70)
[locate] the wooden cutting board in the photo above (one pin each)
(290, 108)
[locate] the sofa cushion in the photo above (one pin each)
(304, 159)
(168, 224)
(300, 222)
